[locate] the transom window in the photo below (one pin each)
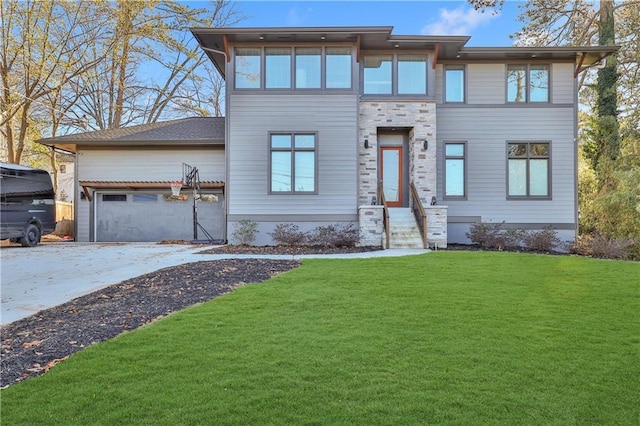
(297, 68)
(455, 170)
(527, 83)
(394, 74)
(454, 83)
(293, 163)
(528, 169)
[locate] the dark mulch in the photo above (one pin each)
(287, 250)
(30, 347)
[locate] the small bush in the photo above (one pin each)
(545, 240)
(598, 245)
(245, 232)
(491, 235)
(340, 235)
(288, 234)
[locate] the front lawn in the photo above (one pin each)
(447, 337)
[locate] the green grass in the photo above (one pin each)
(448, 337)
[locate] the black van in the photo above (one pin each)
(27, 201)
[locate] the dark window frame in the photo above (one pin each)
(394, 74)
(528, 157)
(452, 67)
(293, 150)
(527, 84)
(108, 198)
(292, 77)
(465, 161)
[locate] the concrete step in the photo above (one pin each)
(403, 230)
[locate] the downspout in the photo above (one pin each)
(576, 214)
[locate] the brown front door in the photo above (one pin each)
(391, 174)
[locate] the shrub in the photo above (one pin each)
(340, 235)
(545, 240)
(491, 235)
(598, 245)
(288, 234)
(245, 232)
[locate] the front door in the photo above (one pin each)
(391, 173)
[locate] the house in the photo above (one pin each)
(412, 138)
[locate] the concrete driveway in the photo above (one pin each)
(50, 274)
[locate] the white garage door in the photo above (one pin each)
(150, 216)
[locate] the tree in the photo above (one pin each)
(42, 48)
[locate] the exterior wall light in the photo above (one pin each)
(425, 144)
(366, 143)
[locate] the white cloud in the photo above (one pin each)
(459, 21)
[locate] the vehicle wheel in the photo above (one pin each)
(31, 236)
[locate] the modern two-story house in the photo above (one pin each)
(417, 134)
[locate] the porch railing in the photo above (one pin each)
(419, 214)
(385, 214)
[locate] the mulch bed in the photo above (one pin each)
(287, 250)
(31, 346)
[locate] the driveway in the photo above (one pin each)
(50, 274)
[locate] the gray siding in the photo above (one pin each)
(253, 116)
(487, 130)
(486, 83)
(562, 83)
(140, 165)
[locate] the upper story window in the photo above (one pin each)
(277, 68)
(528, 169)
(454, 83)
(247, 66)
(338, 66)
(527, 83)
(308, 67)
(394, 74)
(288, 68)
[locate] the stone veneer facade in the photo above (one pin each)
(420, 118)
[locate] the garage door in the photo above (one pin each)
(153, 216)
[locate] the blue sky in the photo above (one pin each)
(407, 17)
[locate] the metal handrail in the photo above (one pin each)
(419, 214)
(385, 213)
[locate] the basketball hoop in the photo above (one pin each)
(175, 188)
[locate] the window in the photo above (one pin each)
(377, 74)
(338, 66)
(527, 83)
(412, 75)
(114, 197)
(528, 169)
(455, 170)
(394, 74)
(308, 67)
(293, 68)
(277, 68)
(145, 198)
(292, 163)
(247, 66)
(454, 83)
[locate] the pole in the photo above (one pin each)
(195, 216)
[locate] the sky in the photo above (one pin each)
(407, 17)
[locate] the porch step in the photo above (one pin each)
(403, 230)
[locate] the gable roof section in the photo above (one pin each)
(186, 131)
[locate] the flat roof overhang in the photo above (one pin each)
(216, 41)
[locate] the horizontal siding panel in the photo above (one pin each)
(562, 83)
(149, 164)
(486, 131)
(334, 118)
(486, 83)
